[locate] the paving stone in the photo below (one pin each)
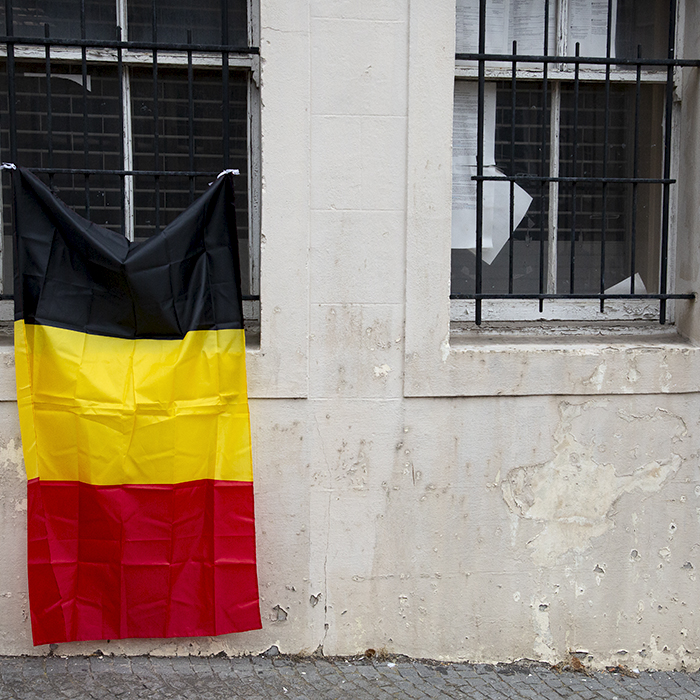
(317, 678)
(475, 695)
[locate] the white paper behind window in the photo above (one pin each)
(496, 228)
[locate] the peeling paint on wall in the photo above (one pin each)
(544, 643)
(572, 495)
(11, 455)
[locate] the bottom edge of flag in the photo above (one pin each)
(141, 561)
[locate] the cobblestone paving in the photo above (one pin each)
(261, 678)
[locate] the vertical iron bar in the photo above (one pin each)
(120, 78)
(574, 168)
(12, 109)
(663, 278)
(480, 160)
(127, 140)
(635, 173)
(543, 151)
(513, 103)
(156, 148)
(11, 93)
(49, 110)
(190, 112)
(225, 114)
(86, 150)
(606, 133)
(553, 208)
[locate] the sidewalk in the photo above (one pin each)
(264, 677)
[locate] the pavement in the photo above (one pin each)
(319, 677)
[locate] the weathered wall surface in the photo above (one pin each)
(479, 527)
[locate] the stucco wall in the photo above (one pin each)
(433, 498)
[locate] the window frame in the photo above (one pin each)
(278, 364)
(544, 360)
(516, 308)
(127, 58)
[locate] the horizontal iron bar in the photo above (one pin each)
(93, 171)
(244, 297)
(640, 297)
(544, 178)
(113, 44)
(578, 60)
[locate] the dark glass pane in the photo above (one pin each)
(623, 210)
(634, 22)
(63, 18)
(175, 17)
(645, 23)
(173, 145)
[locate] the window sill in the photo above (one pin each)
(547, 359)
(563, 333)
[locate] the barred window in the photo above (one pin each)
(129, 109)
(562, 159)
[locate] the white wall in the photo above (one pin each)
(438, 499)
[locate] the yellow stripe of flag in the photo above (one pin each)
(106, 410)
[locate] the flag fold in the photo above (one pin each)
(131, 387)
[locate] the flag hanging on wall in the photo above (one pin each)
(131, 387)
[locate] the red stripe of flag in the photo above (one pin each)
(156, 560)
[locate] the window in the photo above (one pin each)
(445, 356)
(128, 109)
(563, 160)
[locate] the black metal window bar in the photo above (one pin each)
(607, 185)
(128, 130)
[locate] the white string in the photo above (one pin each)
(230, 171)
(8, 166)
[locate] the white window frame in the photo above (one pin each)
(442, 361)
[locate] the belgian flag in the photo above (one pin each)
(131, 385)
